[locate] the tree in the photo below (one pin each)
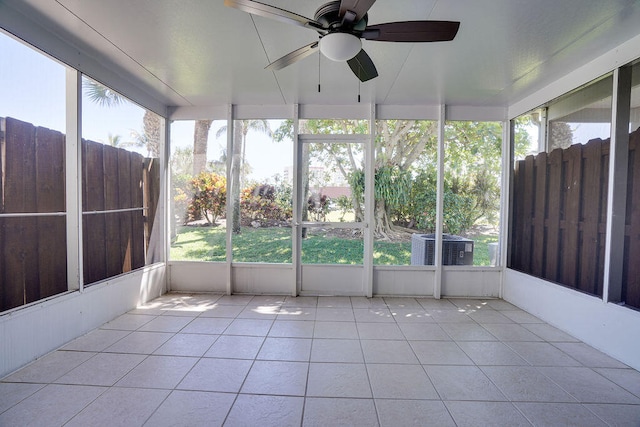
(114, 140)
(200, 143)
(560, 135)
(240, 130)
(399, 143)
(406, 148)
(151, 125)
(106, 97)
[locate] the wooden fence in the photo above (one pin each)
(559, 217)
(33, 256)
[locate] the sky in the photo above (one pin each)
(32, 89)
(266, 157)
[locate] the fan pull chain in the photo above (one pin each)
(358, 91)
(319, 59)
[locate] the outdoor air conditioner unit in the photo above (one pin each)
(456, 250)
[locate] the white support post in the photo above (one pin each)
(617, 186)
(296, 230)
(73, 179)
(437, 282)
(164, 193)
(505, 198)
(543, 142)
(229, 247)
(369, 204)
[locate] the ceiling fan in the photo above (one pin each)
(341, 24)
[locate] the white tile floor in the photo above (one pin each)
(188, 360)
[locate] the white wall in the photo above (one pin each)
(197, 276)
(32, 331)
(274, 279)
(403, 281)
(610, 328)
(471, 283)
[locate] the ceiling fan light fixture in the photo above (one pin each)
(340, 46)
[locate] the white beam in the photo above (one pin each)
(73, 178)
(437, 261)
(296, 231)
(617, 185)
(369, 204)
(229, 247)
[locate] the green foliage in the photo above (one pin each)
(344, 205)
(356, 181)
(458, 215)
(258, 203)
(406, 149)
(522, 144)
(209, 197)
(283, 197)
(180, 192)
(181, 161)
(393, 185)
(101, 94)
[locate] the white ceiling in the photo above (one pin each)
(200, 53)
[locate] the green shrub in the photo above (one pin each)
(258, 203)
(283, 197)
(459, 208)
(209, 197)
(344, 204)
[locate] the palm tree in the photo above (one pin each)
(151, 122)
(240, 130)
(200, 142)
(114, 140)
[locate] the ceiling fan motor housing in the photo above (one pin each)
(329, 16)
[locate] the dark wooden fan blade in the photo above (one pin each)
(358, 7)
(362, 66)
(412, 31)
(267, 11)
(292, 57)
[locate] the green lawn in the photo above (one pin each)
(273, 245)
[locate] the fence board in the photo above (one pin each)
(126, 218)
(631, 281)
(33, 249)
(553, 215)
(93, 224)
(571, 216)
(52, 235)
(590, 215)
(514, 256)
(20, 251)
(112, 220)
(540, 196)
(527, 208)
(137, 187)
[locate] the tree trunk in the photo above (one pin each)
(236, 160)
(383, 225)
(151, 127)
(200, 142)
(357, 208)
